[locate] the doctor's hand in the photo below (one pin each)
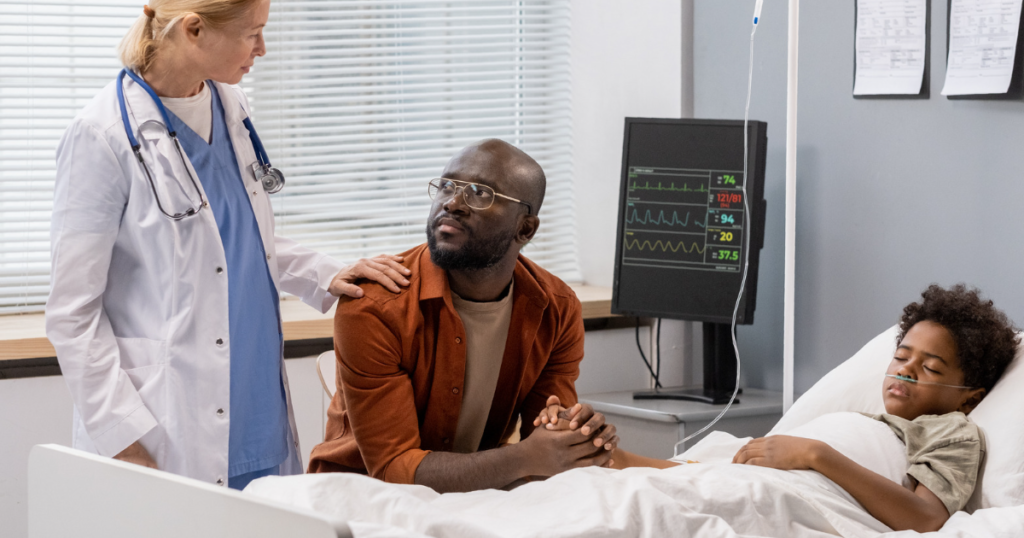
(385, 269)
(556, 417)
(137, 454)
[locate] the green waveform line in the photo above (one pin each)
(671, 188)
(665, 246)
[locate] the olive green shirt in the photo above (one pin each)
(944, 453)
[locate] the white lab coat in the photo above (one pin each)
(138, 310)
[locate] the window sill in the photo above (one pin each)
(24, 336)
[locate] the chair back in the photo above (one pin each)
(326, 370)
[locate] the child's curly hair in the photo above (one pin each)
(985, 339)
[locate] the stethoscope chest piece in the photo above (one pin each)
(271, 178)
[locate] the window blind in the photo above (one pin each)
(54, 57)
(359, 102)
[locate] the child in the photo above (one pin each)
(952, 347)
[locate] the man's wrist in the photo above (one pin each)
(520, 460)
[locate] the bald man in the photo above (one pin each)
(432, 380)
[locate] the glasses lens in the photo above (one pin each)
(478, 196)
(440, 187)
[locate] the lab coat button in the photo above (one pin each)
(220, 481)
(220, 270)
(268, 256)
(220, 412)
(220, 341)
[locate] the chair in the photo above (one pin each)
(326, 370)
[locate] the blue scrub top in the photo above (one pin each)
(258, 413)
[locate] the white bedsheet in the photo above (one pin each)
(712, 498)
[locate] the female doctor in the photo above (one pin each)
(166, 268)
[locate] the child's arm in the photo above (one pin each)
(887, 501)
(623, 460)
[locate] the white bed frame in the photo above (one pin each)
(74, 493)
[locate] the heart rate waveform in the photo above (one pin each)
(648, 218)
(636, 186)
(676, 189)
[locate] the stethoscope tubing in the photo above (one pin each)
(257, 144)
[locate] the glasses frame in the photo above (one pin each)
(460, 188)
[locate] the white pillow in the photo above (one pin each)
(856, 385)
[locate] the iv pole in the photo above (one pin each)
(790, 267)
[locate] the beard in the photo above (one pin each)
(477, 253)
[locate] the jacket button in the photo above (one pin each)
(447, 440)
(220, 341)
(220, 481)
(220, 412)
(455, 390)
(220, 270)
(458, 340)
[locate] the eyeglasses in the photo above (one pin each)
(475, 195)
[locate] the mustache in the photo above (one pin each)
(433, 223)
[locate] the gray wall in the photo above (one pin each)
(892, 194)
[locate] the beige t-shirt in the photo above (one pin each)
(195, 111)
(944, 453)
(486, 327)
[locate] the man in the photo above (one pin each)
(432, 380)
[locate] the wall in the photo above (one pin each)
(892, 194)
(629, 58)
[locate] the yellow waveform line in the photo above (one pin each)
(665, 246)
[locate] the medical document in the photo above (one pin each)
(982, 44)
(891, 46)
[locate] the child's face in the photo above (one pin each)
(927, 353)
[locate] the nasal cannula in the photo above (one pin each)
(918, 382)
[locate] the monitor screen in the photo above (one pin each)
(681, 247)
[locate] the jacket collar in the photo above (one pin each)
(434, 283)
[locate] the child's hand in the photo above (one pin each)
(556, 417)
(781, 452)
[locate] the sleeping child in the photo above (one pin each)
(952, 347)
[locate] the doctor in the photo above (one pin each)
(166, 268)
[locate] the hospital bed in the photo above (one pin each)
(76, 493)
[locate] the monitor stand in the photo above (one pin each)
(719, 371)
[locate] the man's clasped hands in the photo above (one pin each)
(568, 438)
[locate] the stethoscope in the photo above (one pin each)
(271, 178)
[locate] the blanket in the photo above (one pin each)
(711, 498)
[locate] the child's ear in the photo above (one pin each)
(971, 400)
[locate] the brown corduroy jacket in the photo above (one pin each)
(402, 363)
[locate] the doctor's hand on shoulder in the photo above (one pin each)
(387, 270)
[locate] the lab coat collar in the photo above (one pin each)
(145, 117)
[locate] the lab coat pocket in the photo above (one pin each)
(140, 353)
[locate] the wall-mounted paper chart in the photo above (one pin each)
(892, 44)
(982, 46)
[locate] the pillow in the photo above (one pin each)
(856, 385)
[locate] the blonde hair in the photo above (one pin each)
(139, 46)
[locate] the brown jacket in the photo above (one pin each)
(401, 367)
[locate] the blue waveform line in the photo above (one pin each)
(647, 219)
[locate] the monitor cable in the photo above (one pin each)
(746, 236)
(654, 374)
